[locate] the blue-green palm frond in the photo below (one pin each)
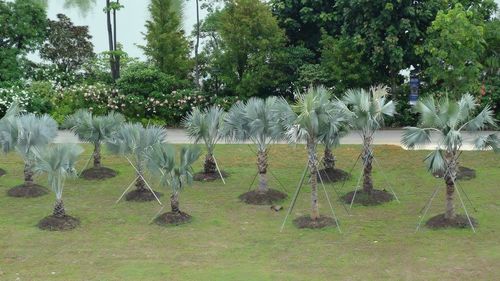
(490, 141)
(206, 125)
(413, 136)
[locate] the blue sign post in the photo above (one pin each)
(414, 83)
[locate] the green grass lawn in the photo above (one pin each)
(228, 240)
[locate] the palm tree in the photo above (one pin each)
(448, 120)
(133, 141)
(310, 119)
(10, 114)
(176, 174)
(256, 120)
(206, 125)
(95, 130)
(370, 107)
(58, 162)
(330, 172)
(25, 133)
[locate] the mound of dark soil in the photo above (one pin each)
(375, 198)
(307, 222)
(171, 218)
(27, 191)
(464, 173)
(267, 198)
(333, 175)
(53, 223)
(2, 172)
(201, 176)
(98, 173)
(142, 195)
(460, 221)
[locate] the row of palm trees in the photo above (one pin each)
(315, 118)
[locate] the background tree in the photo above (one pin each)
(27, 133)
(58, 162)
(343, 63)
(167, 46)
(95, 130)
(23, 30)
(304, 21)
(133, 141)
(206, 125)
(391, 31)
(453, 48)
(67, 46)
(370, 108)
(162, 163)
(256, 120)
(246, 35)
(449, 119)
(490, 91)
(310, 119)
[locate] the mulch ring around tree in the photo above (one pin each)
(100, 173)
(460, 221)
(2, 172)
(262, 198)
(54, 223)
(307, 222)
(333, 175)
(171, 218)
(464, 173)
(201, 176)
(375, 198)
(142, 195)
(27, 191)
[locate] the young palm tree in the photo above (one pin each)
(133, 141)
(58, 162)
(25, 133)
(370, 107)
(310, 119)
(176, 174)
(95, 130)
(330, 173)
(256, 120)
(448, 120)
(11, 113)
(206, 125)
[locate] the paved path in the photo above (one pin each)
(391, 137)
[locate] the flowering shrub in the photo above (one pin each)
(28, 100)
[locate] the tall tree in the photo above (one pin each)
(448, 119)
(453, 50)
(167, 45)
(23, 29)
(114, 52)
(247, 35)
(67, 46)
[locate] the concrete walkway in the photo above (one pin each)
(390, 137)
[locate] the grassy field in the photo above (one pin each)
(228, 240)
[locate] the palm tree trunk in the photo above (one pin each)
(262, 167)
(197, 44)
(59, 209)
(97, 155)
(28, 175)
(367, 170)
(209, 167)
(174, 202)
(450, 178)
(328, 159)
(311, 149)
